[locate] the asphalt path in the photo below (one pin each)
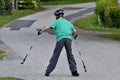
(101, 55)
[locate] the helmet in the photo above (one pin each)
(59, 12)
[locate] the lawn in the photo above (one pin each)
(113, 36)
(90, 23)
(9, 78)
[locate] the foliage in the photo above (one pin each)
(2, 5)
(69, 0)
(112, 15)
(8, 7)
(90, 23)
(5, 7)
(101, 6)
(28, 4)
(109, 12)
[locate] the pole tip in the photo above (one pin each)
(22, 62)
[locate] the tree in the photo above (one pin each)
(2, 5)
(5, 7)
(8, 7)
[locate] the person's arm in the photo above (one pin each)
(43, 30)
(75, 34)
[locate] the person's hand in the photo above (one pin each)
(39, 32)
(75, 36)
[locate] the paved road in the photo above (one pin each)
(101, 55)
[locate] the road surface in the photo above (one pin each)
(101, 55)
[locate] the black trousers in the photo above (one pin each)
(54, 59)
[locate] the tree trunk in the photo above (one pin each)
(14, 4)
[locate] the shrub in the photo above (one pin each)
(5, 7)
(112, 15)
(8, 7)
(28, 4)
(36, 3)
(101, 6)
(47, 0)
(2, 5)
(109, 13)
(25, 4)
(69, 0)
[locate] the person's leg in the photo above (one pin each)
(70, 57)
(55, 56)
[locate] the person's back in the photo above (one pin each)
(63, 28)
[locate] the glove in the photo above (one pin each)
(39, 32)
(75, 36)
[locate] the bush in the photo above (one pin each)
(109, 13)
(8, 7)
(112, 15)
(23, 4)
(69, 0)
(28, 4)
(36, 3)
(5, 7)
(2, 5)
(101, 6)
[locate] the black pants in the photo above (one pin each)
(59, 46)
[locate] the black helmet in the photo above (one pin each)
(59, 12)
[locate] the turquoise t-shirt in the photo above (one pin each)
(63, 28)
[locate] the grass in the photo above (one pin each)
(1, 53)
(9, 78)
(112, 36)
(56, 2)
(16, 14)
(90, 23)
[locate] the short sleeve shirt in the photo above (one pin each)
(63, 28)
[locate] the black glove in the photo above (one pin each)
(75, 36)
(39, 32)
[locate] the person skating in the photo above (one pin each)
(64, 31)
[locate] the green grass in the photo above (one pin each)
(112, 36)
(1, 53)
(16, 14)
(90, 23)
(9, 78)
(56, 2)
